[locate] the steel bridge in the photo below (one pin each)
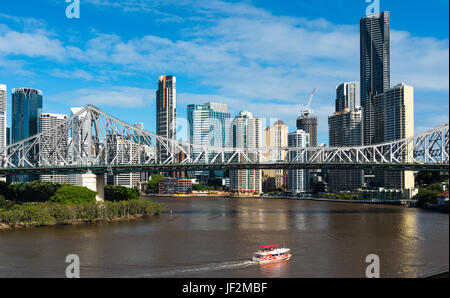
(93, 141)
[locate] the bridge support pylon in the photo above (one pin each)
(95, 182)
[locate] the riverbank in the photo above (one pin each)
(47, 214)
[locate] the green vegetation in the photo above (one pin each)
(153, 183)
(201, 187)
(43, 203)
(341, 196)
(424, 178)
(2, 202)
(36, 191)
(117, 193)
(428, 195)
(42, 214)
(71, 194)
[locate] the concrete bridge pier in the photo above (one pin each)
(95, 182)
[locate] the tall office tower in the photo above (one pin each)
(275, 136)
(298, 180)
(245, 132)
(348, 96)
(308, 123)
(55, 152)
(3, 129)
(26, 110)
(209, 126)
(345, 130)
(375, 67)
(395, 121)
(166, 112)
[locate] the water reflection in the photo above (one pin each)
(208, 237)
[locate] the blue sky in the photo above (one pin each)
(262, 56)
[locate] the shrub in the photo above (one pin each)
(2, 202)
(70, 194)
(120, 193)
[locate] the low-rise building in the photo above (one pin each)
(174, 186)
(442, 199)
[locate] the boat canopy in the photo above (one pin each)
(269, 246)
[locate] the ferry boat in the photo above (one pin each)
(271, 254)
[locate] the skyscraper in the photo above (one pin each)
(56, 151)
(26, 110)
(308, 123)
(348, 96)
(275, 136)
(298, 180)
(166, 112)
(395, 121)
(3, 129)
(345, 130)
(245, 132)
(209, 126)
(375, 66)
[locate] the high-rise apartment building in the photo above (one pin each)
(166, 112)
(3, 128)
(298, 180)
(245, 132)
(275, 136)
(345, 130)
(395, 121)
(348, 96)
(375, 67)
(55, 151)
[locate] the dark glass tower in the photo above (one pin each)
(26, 111)
(375, 67)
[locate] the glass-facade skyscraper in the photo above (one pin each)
(26, 112)
(375, 67)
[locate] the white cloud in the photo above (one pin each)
(117, 96)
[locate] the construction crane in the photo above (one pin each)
(307, 110)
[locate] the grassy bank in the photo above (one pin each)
(44, 214)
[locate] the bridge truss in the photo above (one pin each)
(95, 141)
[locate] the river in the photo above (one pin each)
(201, 237)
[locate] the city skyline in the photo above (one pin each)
(202, 87)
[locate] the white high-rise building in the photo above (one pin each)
(3, 141)
(48, 121)
(245, 132)
(298, 180)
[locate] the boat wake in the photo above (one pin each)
(202, 268)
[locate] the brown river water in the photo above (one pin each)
(201, 237)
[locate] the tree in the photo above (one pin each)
(71, 194)
(429, 194)
(153, 183)
(120, 193)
